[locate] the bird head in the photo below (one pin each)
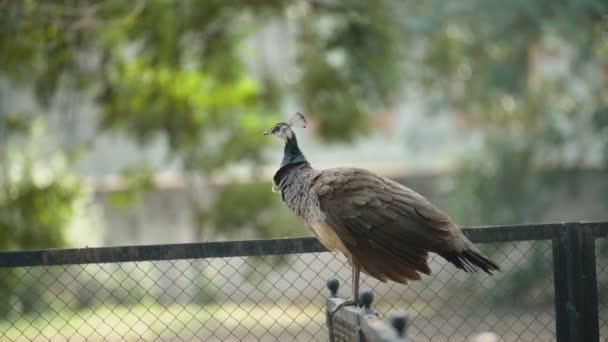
(283, 129)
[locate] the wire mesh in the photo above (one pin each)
(343, 331)
(270, 298)
(601, 248)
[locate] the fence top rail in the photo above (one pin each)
(221, 249)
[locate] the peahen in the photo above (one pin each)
(384, 228)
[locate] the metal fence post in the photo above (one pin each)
(332, 284)
(576, 305)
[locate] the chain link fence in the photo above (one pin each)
(253, 296)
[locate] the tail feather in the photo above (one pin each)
(470, 260)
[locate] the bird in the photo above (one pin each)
(384, 228)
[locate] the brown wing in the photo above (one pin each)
(387, 228)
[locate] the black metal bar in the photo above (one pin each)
(574, 272)
(513, 233)
(585, 281)
(254, 247)
(560, 283)
(600, 229)
(159, 252)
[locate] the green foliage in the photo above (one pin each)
(253, 206)
(345, 77)
(38, 196)
(539, 120)
(176, 71)
(38, 199)
(531, 111)
(35, 215)
(198, 104)
(138, 181)
(500, 186)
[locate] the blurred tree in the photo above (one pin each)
(251, 206)
(533, 78)
(38, 194)
(38, 198)
(175, 69)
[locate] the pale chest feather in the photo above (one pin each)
(306, 207)
(328, 237)
(275, 187)
(294, 185)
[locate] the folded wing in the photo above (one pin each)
(388, 228)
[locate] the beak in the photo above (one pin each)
(268, 132)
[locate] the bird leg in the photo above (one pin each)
(355, 299)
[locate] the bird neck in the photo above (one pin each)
(292, 153)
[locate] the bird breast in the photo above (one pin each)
(328, 237)
(295, 189)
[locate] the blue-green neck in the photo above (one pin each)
(292, 153)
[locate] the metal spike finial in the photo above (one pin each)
(366, 297)
(399, 322)
(333, 284)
